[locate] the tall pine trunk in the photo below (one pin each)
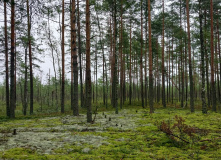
(212, 59)
(74, 59)
(141, 57)
(30, 60)
(12, 71)
(63, 65)
(204, 109)
(88, 65)
(115, 58)
(25, 85)
(182, 66)
(79, 53)
(130, 76)
(190, 63)
(6, 63)
(163, 70)
(145, 70)
(218, 41)
(150, 62)
(121, 56)
(72, 72)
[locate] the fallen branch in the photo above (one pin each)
(179, 138)
(204, 140)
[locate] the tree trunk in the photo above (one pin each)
(25, 85)
(145, 70)
(106, 84)
(163, 70)
(96, 74)
(172, 68)
(141, 57)
(218, 41)
(207, 66)
(15, 71)
(72, 72)
(74, 59)
(79, 53)
(182, 66)
(30, 60)
(121, 56)
(169, 71)
(88, 65)
(12, 71)
(6, 63)
(49, 88)
(212, 59)
(190, 64)
(104, 94)
(150, 62)
(204, 109)
(114, 64)
(130, 77)
(63, 65)
(157, 83)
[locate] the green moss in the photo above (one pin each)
(143, 141)
(19, 153)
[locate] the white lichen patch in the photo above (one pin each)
(47, 135)
(47, 142)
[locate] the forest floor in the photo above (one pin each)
(132, 134)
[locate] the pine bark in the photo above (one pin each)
(190, 63)
(172, 68)
(182, 66)
(207, 66)
(141, 57)
(115, 75)
(218, 41)
(30, 60)
(204, 109)
(150, 62)
(88, 65)
(74, 59)
(79, 53)
(130, 76)
(72, 72)
(145, 69)
(12, 70)
(121, 56)
(212, 59)
(15, 70)
(163, 70)
(63, 61)
(6, 63)
(25, 85)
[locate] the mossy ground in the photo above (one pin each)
(133, 134)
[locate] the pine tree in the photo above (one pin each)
(150, 61)
(88, 64)
(12, 70)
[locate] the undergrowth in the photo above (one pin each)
(171, 133)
